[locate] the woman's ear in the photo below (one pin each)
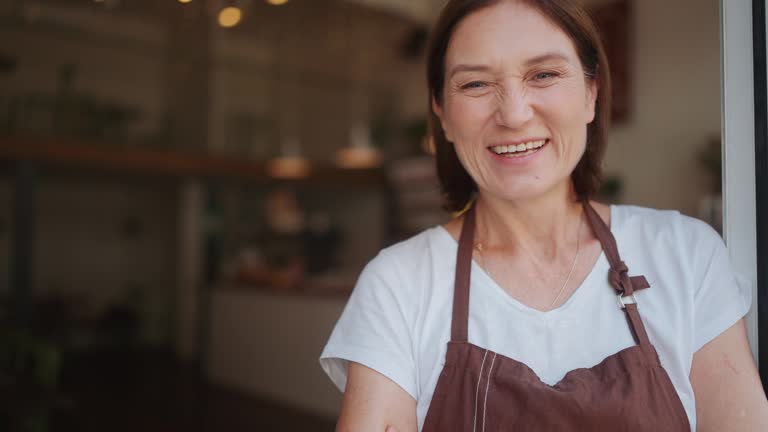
(591, 102)
(438, 110)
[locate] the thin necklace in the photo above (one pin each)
(573, 264)
(479, 247)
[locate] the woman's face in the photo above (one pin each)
(516, 102)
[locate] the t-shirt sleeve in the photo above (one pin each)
(721, 296)
(374, 329)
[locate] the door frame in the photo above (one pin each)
(744, 92)
(759, 24)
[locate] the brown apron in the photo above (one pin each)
(482, 391)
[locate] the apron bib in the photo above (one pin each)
(482, 391)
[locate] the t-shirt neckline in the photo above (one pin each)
(479, 275)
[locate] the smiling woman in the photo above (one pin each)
(518, 82)
(520, 313)
(563, 21)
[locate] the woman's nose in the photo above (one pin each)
(513, 108)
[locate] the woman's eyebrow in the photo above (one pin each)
(550, 56)
(467, 68)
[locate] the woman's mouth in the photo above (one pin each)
(519, 150)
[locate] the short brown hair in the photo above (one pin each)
(458, 187)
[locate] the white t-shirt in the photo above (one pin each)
(398, 318)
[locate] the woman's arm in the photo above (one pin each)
(729, 396)
(372, 402)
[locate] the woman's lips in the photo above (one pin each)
(518, 152)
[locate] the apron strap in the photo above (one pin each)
(460, 318)
(618, 275)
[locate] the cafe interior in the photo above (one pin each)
(189, 189)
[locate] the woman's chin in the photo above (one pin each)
(523, 191)
(521, 194)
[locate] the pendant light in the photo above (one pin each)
(290, 162)
(358, 152)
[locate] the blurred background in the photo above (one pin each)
(188, 190)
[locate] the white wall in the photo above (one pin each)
(676, 104)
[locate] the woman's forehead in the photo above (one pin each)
(508, 34)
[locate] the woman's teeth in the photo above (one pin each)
(515, 150)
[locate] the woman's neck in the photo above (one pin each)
(542, 226)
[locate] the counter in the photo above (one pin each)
(268, 343)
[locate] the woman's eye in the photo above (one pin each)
(543, 76)
(473, 85)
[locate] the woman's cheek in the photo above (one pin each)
(469, 119)
(564, 103)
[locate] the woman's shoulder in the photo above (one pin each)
(665, 242)
(414, 254)
(405, 275)
(660, 224)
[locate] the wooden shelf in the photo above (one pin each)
(111, 158)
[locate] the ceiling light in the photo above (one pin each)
(230, 16)
(185, 1)
(277, 2)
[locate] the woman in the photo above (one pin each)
(520, 314)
